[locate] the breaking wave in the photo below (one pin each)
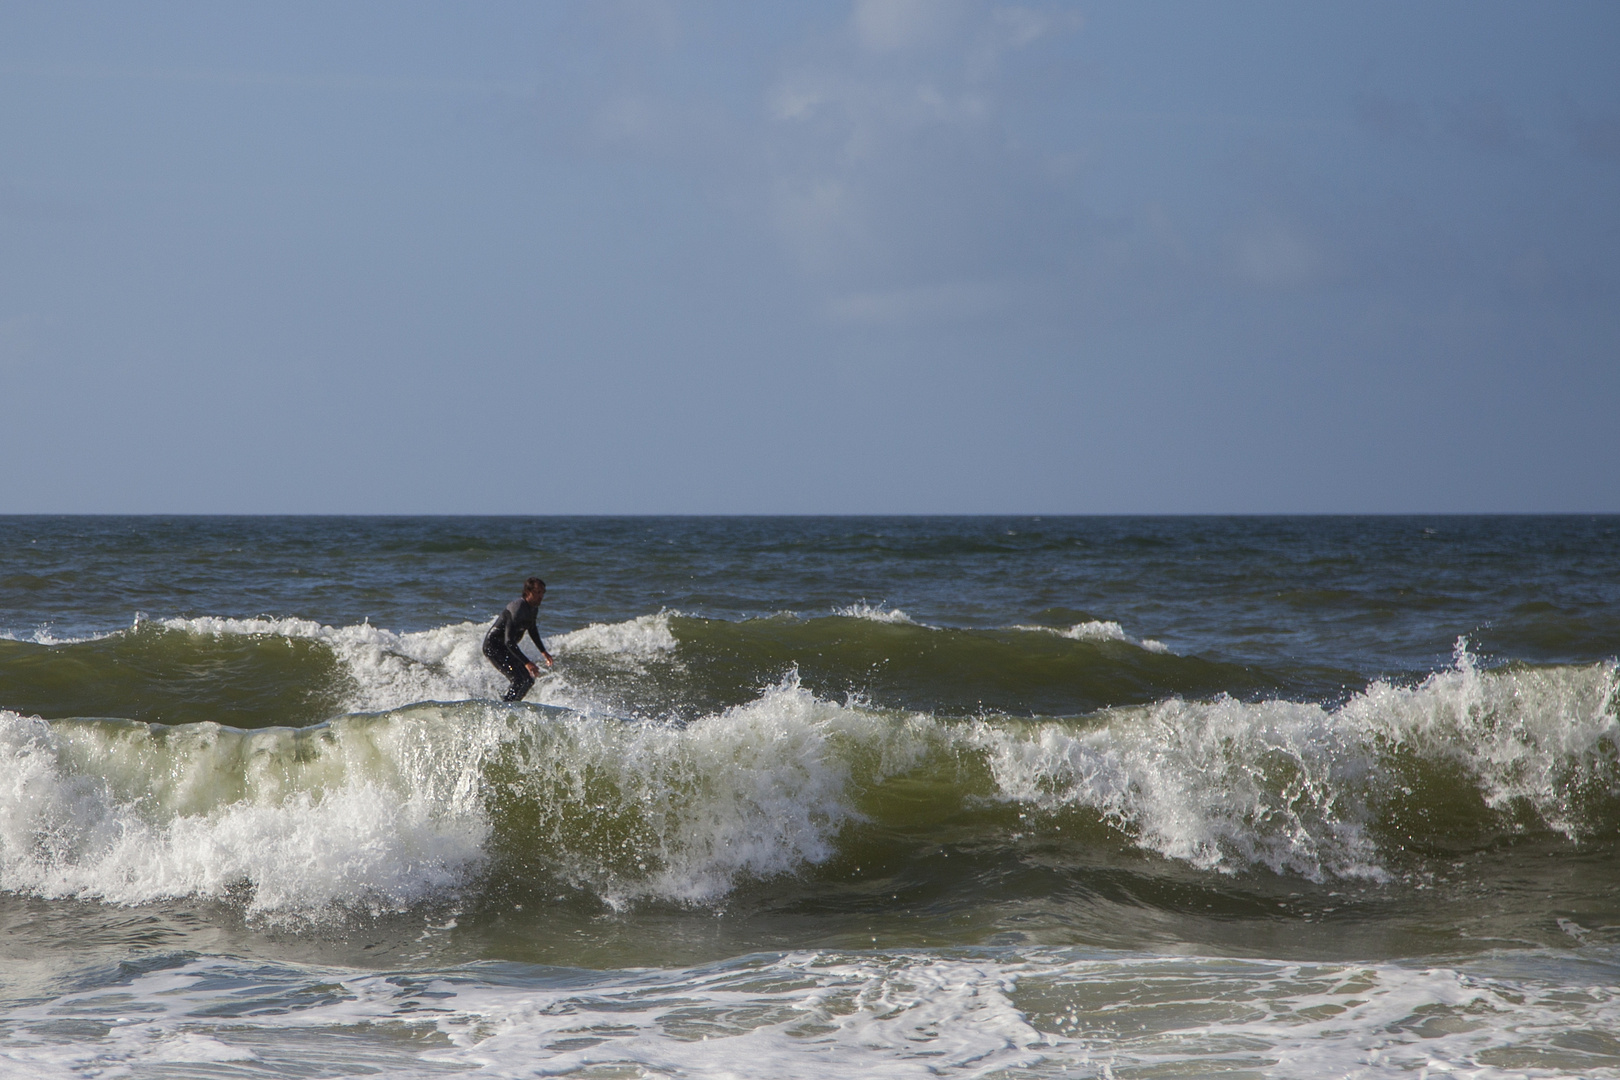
(426, 800)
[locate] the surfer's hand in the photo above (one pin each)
(534, 670)
(548, 659)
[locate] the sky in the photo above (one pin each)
(889, 256)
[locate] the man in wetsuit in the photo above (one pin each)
(501, 643)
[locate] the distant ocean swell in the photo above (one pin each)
(420, 794)
(285, 671)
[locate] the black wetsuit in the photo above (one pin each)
(501, 646)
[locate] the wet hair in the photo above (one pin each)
(534, 585)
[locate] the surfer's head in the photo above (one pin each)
(533, 590)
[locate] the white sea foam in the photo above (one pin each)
(45, 634)
(1098, 630)
(814, 1014)
(391, 809)
(1222, 785)
(681, 813)
(1294, 787)
(395, 808)
(388, 669)
(877, 613)
(642, 638)
(362, 812)
(1536, 737)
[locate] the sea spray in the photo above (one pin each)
(1537, 747)
(747, 826)
(386, 810)
(1221, 785)
(874, 613)
(1317, 791)
(683, 812)
(381, 669)
(1097, 630)
(368, 812)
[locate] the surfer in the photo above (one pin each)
(501, 643)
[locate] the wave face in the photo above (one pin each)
(265, 672)
(429, 800)
(907, 797)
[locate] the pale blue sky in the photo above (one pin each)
(890, 257)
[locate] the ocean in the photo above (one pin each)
(904, 797)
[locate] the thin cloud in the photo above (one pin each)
(1277, 256)
(958, 301)
(883, 26)
(885, 177)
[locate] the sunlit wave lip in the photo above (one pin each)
(1096, 630)
(879, 613)
(644, 637)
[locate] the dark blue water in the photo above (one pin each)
(1376, 595)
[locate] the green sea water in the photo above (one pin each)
(931, 796)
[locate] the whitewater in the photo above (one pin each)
(786, 834)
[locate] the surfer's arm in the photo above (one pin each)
(534, 635)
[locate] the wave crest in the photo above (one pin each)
(1314, 791)
(390, 809)
(1098, 630)
(366, 812)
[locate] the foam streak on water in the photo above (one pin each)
(815, 1014)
